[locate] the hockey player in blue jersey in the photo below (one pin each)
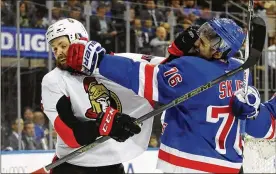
(200, 134)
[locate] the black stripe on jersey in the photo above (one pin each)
(84, 132)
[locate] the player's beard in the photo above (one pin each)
(61, 62)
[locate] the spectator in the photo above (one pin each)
(57, 14)
(205, 15)
(108, 12)
(183, 24)
(189, 6)
(132, 15)
(39, 23)
(102, 29)
(117, 10)
(40, 128)
(120, 22)
(28, 114)
(25, 20)
(31, 12)
(153, 141)
(186, 23)
(176, 9)
(28, 136)
(7, 17)
(151, 12)
(259, 7)
(94, 6)
(148, 28)
(5, 129)
(159, 44)
(141, 38)
(138, 7)
(75, 13)
(167, 26)
(192, 17)
(69, 5)
(180, 24)
(16, 134)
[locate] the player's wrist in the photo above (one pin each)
(105, 121)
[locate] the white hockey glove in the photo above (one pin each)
(246, 105)
(83, 56)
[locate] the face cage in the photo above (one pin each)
(216, 42)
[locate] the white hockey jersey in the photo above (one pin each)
(91, 95)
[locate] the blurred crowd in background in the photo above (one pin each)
(150, 27)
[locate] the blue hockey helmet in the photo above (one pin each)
(231, 36)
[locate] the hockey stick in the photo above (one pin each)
(259, 30)
(247, 44)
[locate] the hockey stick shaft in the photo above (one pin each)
(247, 44)
(255, 53)
(249, 17)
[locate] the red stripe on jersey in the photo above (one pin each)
(65, 133)
(273, 127)
(225, 131)
(196, 165)
(149, 69)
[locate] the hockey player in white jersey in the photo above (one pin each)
(82, 108)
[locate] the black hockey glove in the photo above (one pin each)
(117, 125)
(184, 42)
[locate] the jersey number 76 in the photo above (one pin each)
(214, 114)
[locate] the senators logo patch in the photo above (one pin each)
(100, 97)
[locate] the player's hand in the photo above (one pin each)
(246, 105)
(184, 42)
(83, 56)
(117, 125)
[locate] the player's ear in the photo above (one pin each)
(217, 55)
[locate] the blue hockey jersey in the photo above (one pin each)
(200, 134)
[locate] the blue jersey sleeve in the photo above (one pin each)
(264, 125)
(161, 83)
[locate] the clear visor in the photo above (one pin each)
(209, 35)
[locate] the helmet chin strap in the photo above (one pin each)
(225, 53)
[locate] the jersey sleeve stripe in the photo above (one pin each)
(65, 133)
(155, 84)
(141, 79)
(271, 132)
(148, 82)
